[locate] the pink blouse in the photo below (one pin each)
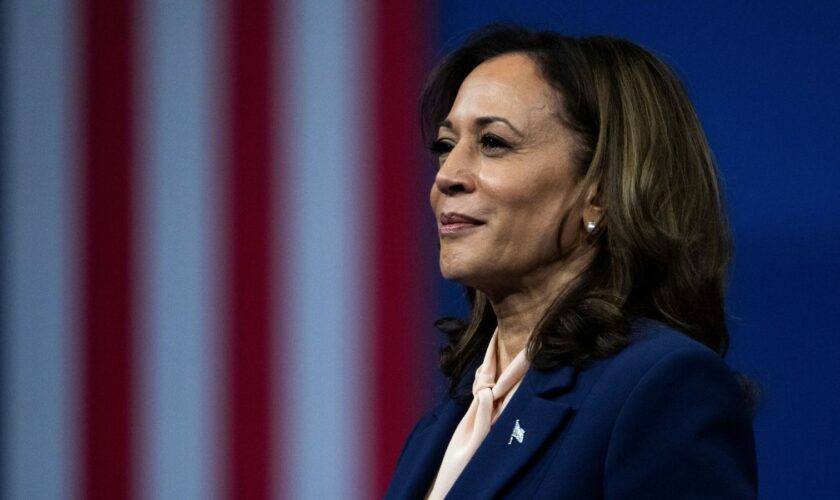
(490, 396)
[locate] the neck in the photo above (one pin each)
(517, 317)
(518, 312)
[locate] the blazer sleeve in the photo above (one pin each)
(683, 432)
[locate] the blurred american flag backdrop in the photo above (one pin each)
(215, 281)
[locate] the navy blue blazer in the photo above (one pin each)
(663, 418)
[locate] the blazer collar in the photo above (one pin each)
(417, 469)
(539, 411)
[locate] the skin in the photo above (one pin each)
(506, 160)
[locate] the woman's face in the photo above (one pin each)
(506, 181)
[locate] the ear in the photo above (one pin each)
(593, 208)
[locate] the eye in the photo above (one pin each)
(493, 144)
(441, 147)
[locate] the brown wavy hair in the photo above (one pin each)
(663, 246)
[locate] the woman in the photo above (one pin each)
(578, 202)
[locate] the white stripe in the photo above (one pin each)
(325, 194)
(178, 330)
(38, 220)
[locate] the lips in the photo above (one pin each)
(452, 224)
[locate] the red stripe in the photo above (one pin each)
(249, 248)
(401, 200)
(107, 173)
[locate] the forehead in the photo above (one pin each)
(509, 85)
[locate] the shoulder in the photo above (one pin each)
(662, 366)
(652, 341)
(663, 418)
(659, 366)
(655, 354)
(681, 424)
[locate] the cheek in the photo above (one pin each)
(541, 214)
(531, 205)
(570, 234)
(527, 180)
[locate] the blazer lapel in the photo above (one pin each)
(420, 462)
(536, 415)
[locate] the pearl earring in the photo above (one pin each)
(590, 227)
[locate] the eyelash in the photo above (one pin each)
(441, 147)
(493, 142)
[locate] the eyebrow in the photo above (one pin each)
(483, 121)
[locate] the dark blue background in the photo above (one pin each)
(764, 77)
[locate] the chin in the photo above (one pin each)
(464, 275)
(453, 271)
(449, 274)
(464, 266)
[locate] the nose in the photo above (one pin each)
(456, 175)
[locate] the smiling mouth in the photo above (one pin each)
(454, 224)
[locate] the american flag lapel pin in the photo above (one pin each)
(518, 433)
